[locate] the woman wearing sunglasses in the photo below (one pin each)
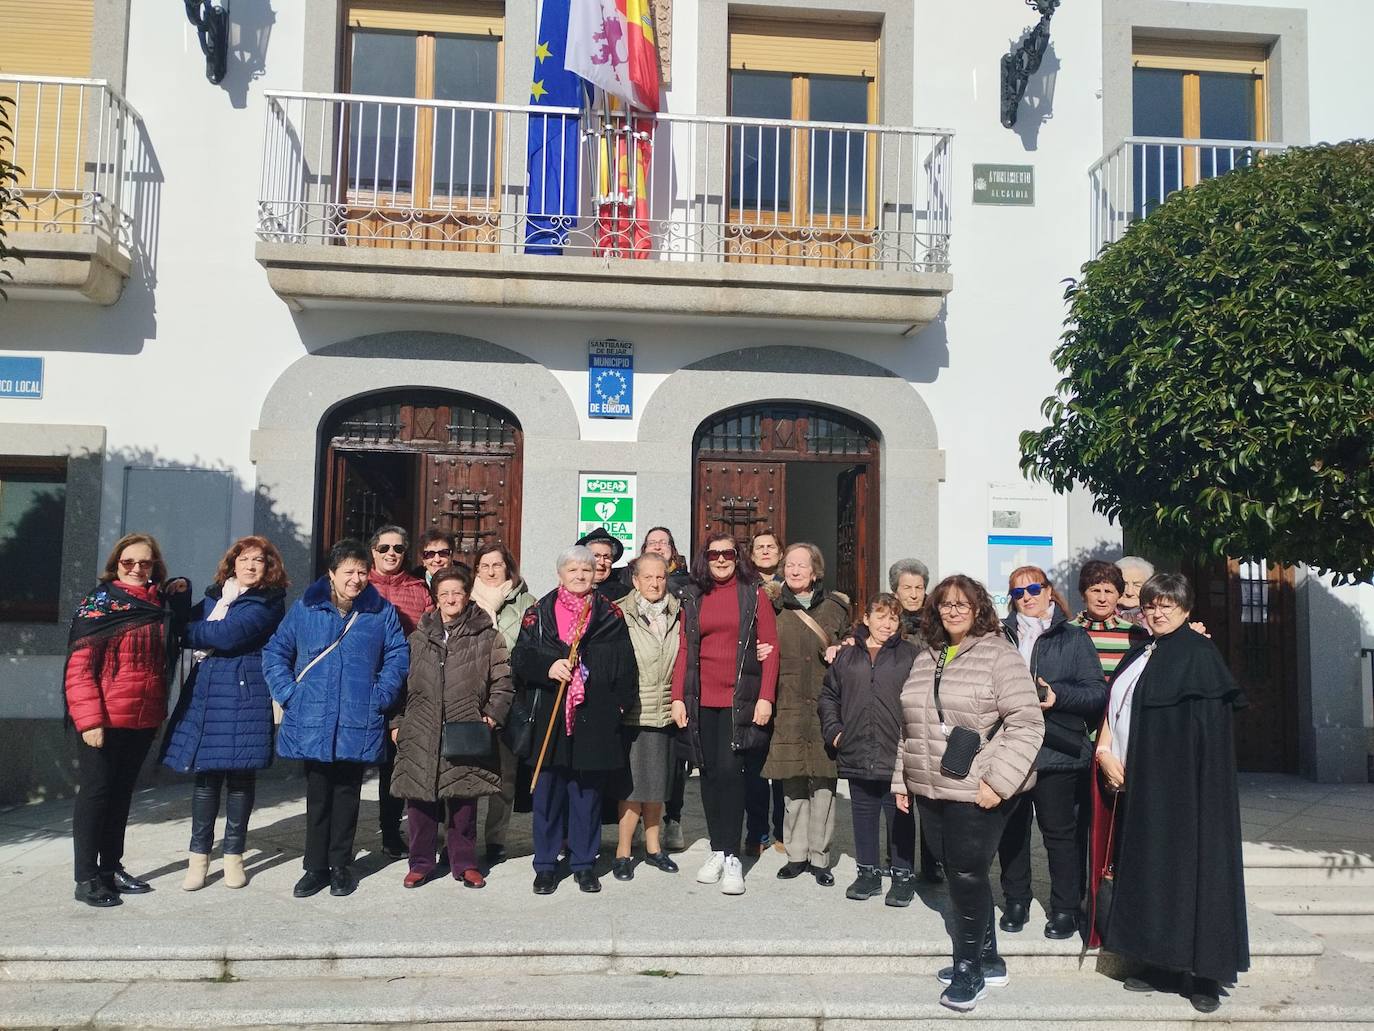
(723, 694)
(1073, 693)
(123, 646)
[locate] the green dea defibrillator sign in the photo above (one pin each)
(1004, 184)
(608, 500)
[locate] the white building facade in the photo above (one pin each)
(839, 324)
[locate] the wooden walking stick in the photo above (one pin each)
(578, 630)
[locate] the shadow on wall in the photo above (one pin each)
(250, 31)
(1037, 106)
(192, 509)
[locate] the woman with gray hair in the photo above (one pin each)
(1134, 571)
(1166, 808)
(574, 660)
(908, 579)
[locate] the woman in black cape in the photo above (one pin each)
(1167, 766)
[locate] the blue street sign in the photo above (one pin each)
(610, 379)
(21, 377)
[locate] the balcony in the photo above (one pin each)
(79, 146)
(1133, 179)
(390, 200)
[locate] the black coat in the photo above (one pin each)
(612, 684)
(862, 700)
(1065, 656)
(1180, 881)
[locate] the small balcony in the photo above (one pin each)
(78, 145)
(1133, 179)
(390, 200)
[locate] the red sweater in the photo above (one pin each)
(129, 690)
(409, 594)
(719, 644)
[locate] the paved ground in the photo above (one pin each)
(387, 955)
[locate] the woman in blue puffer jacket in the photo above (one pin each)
(222, 727)
(336, 665)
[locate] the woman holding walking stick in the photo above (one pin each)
(574, 659)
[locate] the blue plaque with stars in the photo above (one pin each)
(610, 379)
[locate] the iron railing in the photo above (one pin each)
(77, 143)
(455, 175)
(1137, 175)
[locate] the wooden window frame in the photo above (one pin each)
(57, 468)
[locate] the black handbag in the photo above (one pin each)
(466, 739)
(961, 743)
(517, 733)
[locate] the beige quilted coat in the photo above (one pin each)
(654, 659)
(987, 679)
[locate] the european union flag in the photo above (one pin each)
(553, 139)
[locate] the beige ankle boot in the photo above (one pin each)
(197, 866)
(234, 877)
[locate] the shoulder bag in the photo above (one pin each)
(466, 739)
(961, 743)
(1106, 887)
(276, 706)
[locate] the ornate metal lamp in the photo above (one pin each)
(212, 27)
(1023, 60)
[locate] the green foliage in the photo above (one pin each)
(10, 201)
(1218, 361)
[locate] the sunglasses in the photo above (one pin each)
(1032, 589)
(130, 564)
(382, 549)
(441, 553)
(728, 555)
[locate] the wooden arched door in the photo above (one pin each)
(804, 471)
(421, 459)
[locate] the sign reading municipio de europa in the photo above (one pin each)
(1004, 184)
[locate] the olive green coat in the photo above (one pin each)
(797, 749)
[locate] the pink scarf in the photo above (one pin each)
(568, 613)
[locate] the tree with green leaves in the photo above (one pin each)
(1218, 368)
(10, 200)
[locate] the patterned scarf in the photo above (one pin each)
(579, 609)
(655, 613)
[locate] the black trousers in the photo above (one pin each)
(105, 778)
(389, 809)
(964, 837)
(673, 809)
(242, 787)
(723, 780)
(332, 792)
(760, 796)
(1054, 803)
(871, 804)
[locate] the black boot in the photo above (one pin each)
(1061, 925)
(994, 966)
(1204, 994)
(866, 885)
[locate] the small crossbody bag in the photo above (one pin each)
(961, 743)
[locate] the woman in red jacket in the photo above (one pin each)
(122, 647)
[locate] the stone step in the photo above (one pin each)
(1313, 900)
(1272, 865)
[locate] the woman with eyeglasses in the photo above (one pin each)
(1167, 781)
(659, 541)
(222, 728)
(971, 728)
(500, 592)
(723, 694)
(410, 595)
(122, 649)
(1068, 677)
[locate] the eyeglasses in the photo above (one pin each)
(382, 549)
(1163, 608)
(1032, 589)
(441, 553)
(728, 555)
(130, 564)
(957, 607)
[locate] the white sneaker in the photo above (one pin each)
(732, 878)
(711, 869)
(672, 836)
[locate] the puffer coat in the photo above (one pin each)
(655, 659)
(337, 712)
(986, 681)
(512, 610)
(223, 719)
(458, 674)
(797, 749)
(861, 701)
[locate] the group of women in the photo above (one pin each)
(939, 714)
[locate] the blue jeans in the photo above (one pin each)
(575, 797)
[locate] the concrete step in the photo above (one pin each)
(1273, 865)
(1333, 998)
(1356, 900)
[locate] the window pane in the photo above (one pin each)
(1228, 113)
(838, 180)
(761, 156)
(464, 69)
(1158, 111)
(381, 136)
(32, 511)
